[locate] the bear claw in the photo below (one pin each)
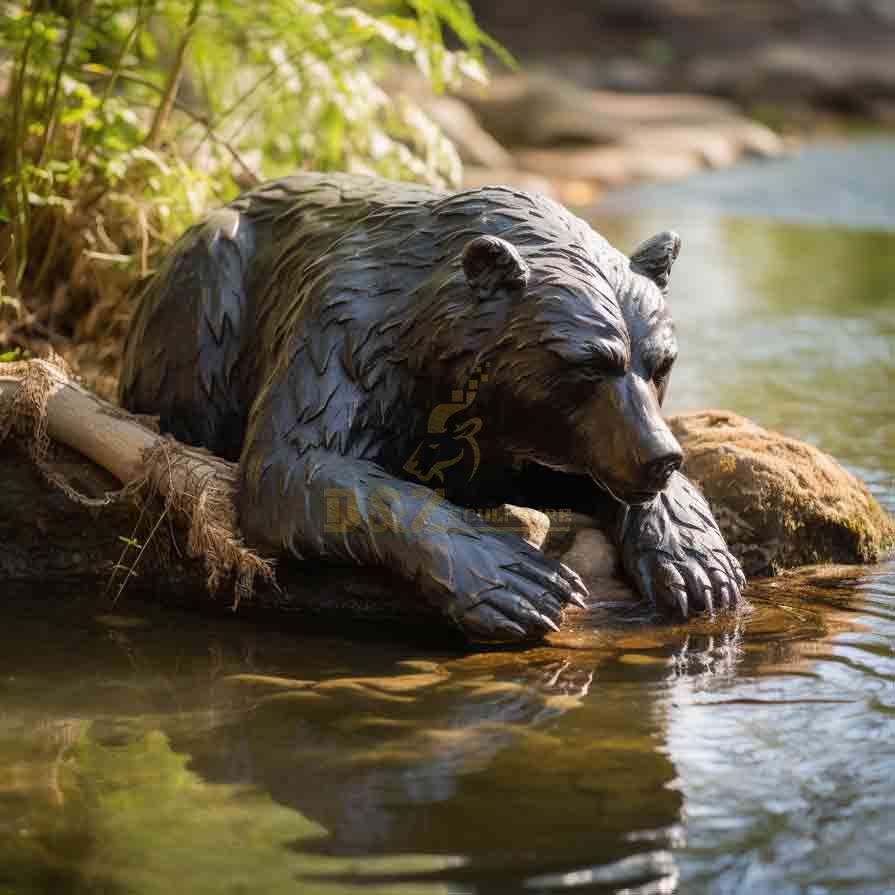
(676, 555)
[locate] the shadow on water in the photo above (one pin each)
(144, 751)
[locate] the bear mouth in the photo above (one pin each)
(625, 494)
(639, 498)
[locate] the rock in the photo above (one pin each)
(610, 165)
(475, 145)
(577, 540)
(838, 74)
(718, 144)
(754, 139)
(532, 525)
(605, 165)
(787, 56)
(564, 528)
(592, 555)
(663, 109)
(570, 142)
(713, 148)
(659, 163)
(780, 502)
(542, 110)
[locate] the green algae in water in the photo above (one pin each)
(132, 817)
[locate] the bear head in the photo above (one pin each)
(576, 337)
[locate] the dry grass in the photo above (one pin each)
(76, 301)
(197, 490)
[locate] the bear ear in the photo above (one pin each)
(491, 263)
(654, 257)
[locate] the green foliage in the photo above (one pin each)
(124, 119)
(308, 87)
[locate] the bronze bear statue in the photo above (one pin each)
(325, 329)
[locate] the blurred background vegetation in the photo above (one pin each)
(124, 119)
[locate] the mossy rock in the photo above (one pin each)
(780, 502)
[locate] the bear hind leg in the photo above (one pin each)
(181, 355)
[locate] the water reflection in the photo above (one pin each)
(143, 749)
(805, 750)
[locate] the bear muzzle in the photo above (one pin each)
(628, 446)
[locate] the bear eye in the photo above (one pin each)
(661, 373)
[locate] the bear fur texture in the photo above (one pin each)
(379, 357)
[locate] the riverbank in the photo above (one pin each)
(795, 65)
(541, 132)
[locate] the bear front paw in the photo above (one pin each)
(676, 554)
(505, 590)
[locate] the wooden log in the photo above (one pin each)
(48, 540)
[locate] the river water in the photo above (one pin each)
(145, 751)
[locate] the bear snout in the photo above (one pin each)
(657, 472)
(625, 443)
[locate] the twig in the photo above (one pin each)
(119, 61)
(199, 119)
(132, 570)
(270, 74)
(18, 199)
(163, 112)
(50, 129)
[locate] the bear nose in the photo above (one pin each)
(659, 471)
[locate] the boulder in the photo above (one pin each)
(663, 109)
(843, 75)
(542, 110)
(611, 165)
(570, 142)
(780, 502)
(474, 145)
(718, 144)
